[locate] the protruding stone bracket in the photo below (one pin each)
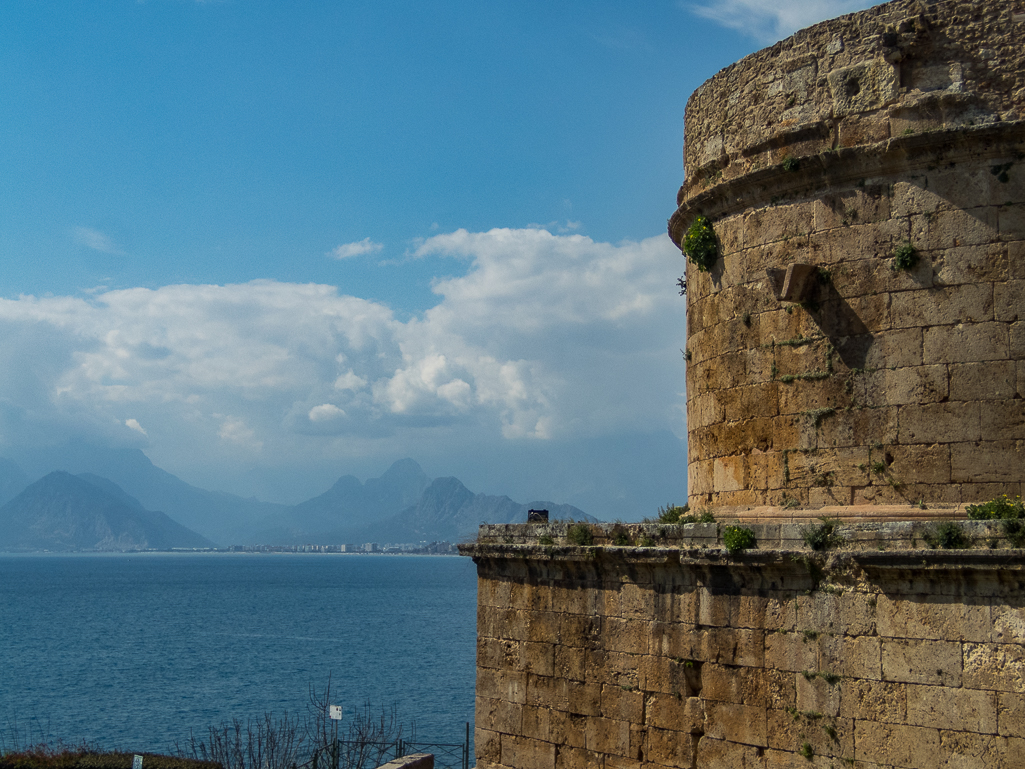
(794, 284)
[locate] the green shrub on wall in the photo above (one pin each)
(700, 244)
(737, 538)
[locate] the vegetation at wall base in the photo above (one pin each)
(1010, 512)
(580, 534)
(675, 514)
(737, 538)
(947, 535)
(823, 536)
(700, 244)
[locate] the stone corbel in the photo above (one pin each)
(794, 284)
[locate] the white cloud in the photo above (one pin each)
(325, 412)
(770, 20)
(133, 424)
(545, 336)
(360, 247)
(97, 241)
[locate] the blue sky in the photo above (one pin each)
(273, 242)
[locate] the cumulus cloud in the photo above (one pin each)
(360, 247)
(96, 240)
(768, 20)
(325, 412)
(133, 424)
(545, 336)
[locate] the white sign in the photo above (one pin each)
(334, 711)
(137, 762)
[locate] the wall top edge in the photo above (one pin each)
(877, 543)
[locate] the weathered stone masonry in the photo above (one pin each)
(904, 124)
(683, 656)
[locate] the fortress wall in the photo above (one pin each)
(898, 125)
(621, 657)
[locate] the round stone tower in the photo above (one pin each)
(856, 340)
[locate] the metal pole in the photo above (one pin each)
(466, 748)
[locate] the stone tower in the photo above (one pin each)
(860, 337)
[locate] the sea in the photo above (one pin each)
(137, 651)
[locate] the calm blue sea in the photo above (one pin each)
(133, 651)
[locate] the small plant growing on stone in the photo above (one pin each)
(737, 538)
(807, 751)
(544, 539)
(790, 163)
(905, 257)
(700, 244)
(646, 542)
(947, 535)
(580, 534)
(621, 536)
(1010, 512)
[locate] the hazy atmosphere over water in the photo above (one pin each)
(269, 242)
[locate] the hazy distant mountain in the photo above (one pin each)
(12, 480)
(448, 510)
(64, 512)
(346, 507)
(214, 514)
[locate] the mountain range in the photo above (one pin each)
(116, 499)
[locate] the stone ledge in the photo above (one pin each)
(844, 166)
(876, 543)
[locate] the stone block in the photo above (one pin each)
(605, 736)
(914, 384)
(959, 748)
(621, 704)
(897, 746)
(742, 686)
(579, 630)
(671, 748)
(790, 651)
(999, 667)
(487, 746)
(729, 473)
(971, 264)
(954, 228)
(816, 695)
(947, 306)
(535, 723)
(827, 736)
(922, 662)
(1016, 259)
(1011, 714)
(524, 753)
(943, 707)
(745, 724)
(995, 380)
(567, 729)
(966, 343)
(763, 612)
(542, 626)
(576, 758)
(569, 662)
(682, 714)
(940, 423)
(899, 347)
(923, 463)
(1008, 623)
(1009, 301)
(933, 617)
(723, 754)
(880, 701)
(989, 462)
(626, 635)
(1004, 420)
